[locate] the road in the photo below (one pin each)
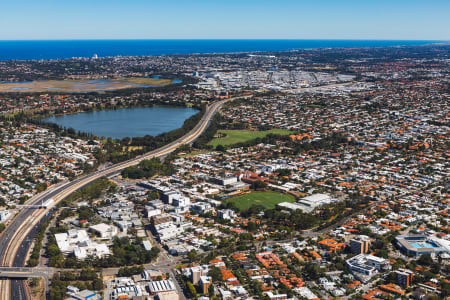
(13, 242)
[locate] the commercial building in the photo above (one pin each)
(308, 204)
(226, 214)
(161, 286)
(364, 266)
(311, 202)
(417, 245)
(78, 242)
(225, 180)
(105, 231)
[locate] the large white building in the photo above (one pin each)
(226, 214)
(311, 202)
(78, 242)
(181, 201)
(105, 231)
(161, 286)
(364, 266)
(308, 204)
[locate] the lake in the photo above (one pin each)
(126, 122)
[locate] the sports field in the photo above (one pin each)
(81, 86)
(239, 136)
(268, 199)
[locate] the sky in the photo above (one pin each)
(225, 19)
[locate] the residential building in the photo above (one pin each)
(360, 244)
(404, 277)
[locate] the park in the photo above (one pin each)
(268, 199)
(231, 137)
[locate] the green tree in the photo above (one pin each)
(259, 184)
(220, 148)
(97, 284)
(211, 290)
(215, 274)
(191, 289)
(192, 255)
(425, 260)
(53, 250)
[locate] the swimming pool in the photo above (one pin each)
(424, 245)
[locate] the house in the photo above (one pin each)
(331, 245)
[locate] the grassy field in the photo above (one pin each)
(76, 86)
(268, 199)
(238, 136)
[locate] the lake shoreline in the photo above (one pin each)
(118, 123)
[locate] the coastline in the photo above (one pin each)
(11, 50)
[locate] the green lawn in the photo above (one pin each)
(268, 199)
(238, 136)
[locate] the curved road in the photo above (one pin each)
(14, 243)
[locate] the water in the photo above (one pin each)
(24, 50)
(424, 245)
(126, 122)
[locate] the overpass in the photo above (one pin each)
(25, 273)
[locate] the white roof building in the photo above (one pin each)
(106, 231)
(78, 242)
(156, 287)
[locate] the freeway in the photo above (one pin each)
(16, 239)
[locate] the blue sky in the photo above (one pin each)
(240, 19)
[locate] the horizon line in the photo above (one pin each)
(223, 39)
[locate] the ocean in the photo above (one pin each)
(34, 50)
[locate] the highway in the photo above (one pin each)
(16, 239)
